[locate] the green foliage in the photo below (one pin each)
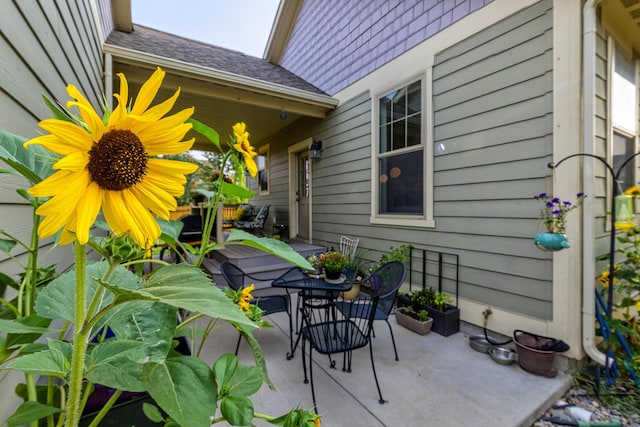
(140, 310)
(400, 253)
(441, 300)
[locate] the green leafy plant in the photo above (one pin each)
(333, 261)
(422, 315)
(441, 300)
(423, 297)
(400, 253)
(117, 293)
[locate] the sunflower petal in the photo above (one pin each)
(87, 211)
(73, 162)
(65, 137)
(144, 221)
(159, 202)
(157, 111)
(117, 216)
(89, 115)
(148, 92)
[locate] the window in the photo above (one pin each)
(400, 153)
(263, 170)
(624, 113)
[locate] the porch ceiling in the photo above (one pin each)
(626, 16)
(219, 104)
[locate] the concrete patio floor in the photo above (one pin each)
(439, 381)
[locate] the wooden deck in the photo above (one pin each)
(254, 261)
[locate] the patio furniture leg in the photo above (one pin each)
(375, 376)
(393, 340)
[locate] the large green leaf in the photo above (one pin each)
(33, 163)
(206, 131)
(183, 388)
(151, 323)
(246, 381)
(118, 364)
(57, 299)
(30, 411)
(24, 326)
(229, 189)
(185, 286)
(6, 245)
(238, 410)
(270, 246)
(48, 362)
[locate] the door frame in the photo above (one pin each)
(293, 151)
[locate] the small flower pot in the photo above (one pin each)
(332, 275)
(352, 293)
(550, 242)
(415, 325)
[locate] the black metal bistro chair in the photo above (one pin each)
(271, 300)
(385, 282)
(329, 332)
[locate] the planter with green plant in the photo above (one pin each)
(446, 316)
(333, 262)
(416, 321)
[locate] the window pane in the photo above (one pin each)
(400, 104)
(398, 134)
(385, 110)
(623, 148)
(413, 130)
(401, 184)
(385, 138)
(415, 98)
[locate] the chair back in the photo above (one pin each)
(332, 333)
(191, 228)
(235, 277)
(348, 246)
(261, 217)
(385, 282)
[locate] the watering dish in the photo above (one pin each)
(479, 343)
(502, 355)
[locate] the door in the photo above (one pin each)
(303, 195)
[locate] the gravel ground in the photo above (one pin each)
(579, 403)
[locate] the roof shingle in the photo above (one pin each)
(170, 46)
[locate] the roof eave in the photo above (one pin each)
(316, 102)
(282, 26)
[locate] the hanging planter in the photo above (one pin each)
(550, 242)
(554, 216)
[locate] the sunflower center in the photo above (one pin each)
(118, 161)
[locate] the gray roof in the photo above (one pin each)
(148, 40)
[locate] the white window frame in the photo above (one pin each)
(426, 219)
(613, 128)
(264, 152)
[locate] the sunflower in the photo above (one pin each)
(112, 165)
(245, 297)
(243, 146)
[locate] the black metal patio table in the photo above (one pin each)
(310, 287)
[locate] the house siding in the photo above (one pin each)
(45, 45)
(492, 119)
(332, 47)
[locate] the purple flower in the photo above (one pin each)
(566, 203)
(549, 204)
(541, 196)
(556, 212)
(580, 194)
(555, 200)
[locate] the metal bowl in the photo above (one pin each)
(479, 343)
(502, 355)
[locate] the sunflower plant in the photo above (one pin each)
(101, 183)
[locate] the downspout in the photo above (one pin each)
(108, 79)
(589, 23)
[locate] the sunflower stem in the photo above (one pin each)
(79, 338)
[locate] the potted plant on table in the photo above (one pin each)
(554, 216)
(333, 262)
(416, 321)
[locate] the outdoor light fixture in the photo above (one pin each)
(314, 150)
(283, 115)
